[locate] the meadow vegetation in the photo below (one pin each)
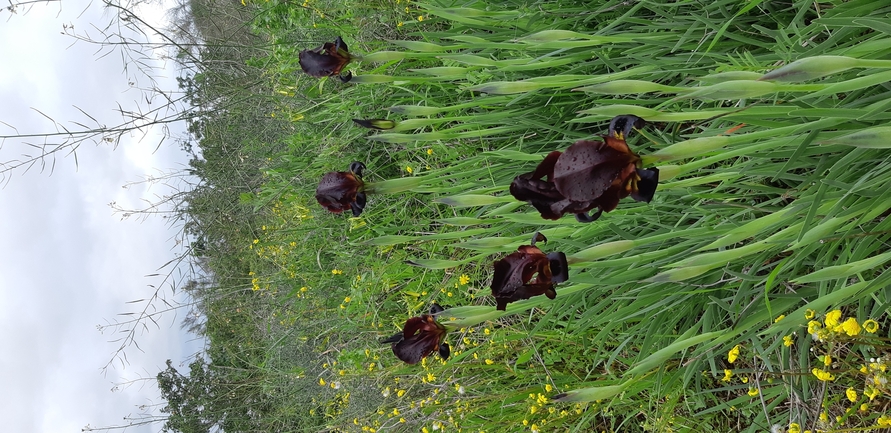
(748, 295)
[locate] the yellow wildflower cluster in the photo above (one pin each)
(834, 326)
(876, 372)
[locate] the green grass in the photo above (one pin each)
(773, 201)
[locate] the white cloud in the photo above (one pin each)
(68, 262)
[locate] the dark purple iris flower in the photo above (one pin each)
(327, 60)
(588, 175)
(342, 190)
(528, 272)
(420, 337)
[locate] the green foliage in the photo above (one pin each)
(772, 201)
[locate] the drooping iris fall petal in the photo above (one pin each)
(588, 175)
(327, 60)
(420, 337)
(342, 190)
(526, 273)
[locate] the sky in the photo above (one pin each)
(68, 261)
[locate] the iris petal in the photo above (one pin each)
(626, 123)
(646, 185)
(588, 168)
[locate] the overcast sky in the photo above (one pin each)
(68, 262)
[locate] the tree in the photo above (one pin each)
(189, 398)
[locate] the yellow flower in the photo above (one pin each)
(336, 272)
(420, 18)
(347, 299)
(745, 379)
(780, 317)
(753, 392)
(463, 279)
(823, 375)
(824, 417)
(733, 354)
(787, 341)
(321, 382)
(400, 24)
(851, 327)
(851, 394)
(430, 151)
(813, 326)
(832, 318)
(827, 360)
(400, 393)
(884, 421)
(727, 375)
(809, 314)
(409, 170)
(548, 387)
(871, 392)
(864, 407)
(489, 362)
(794, 428)
(871, 326)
